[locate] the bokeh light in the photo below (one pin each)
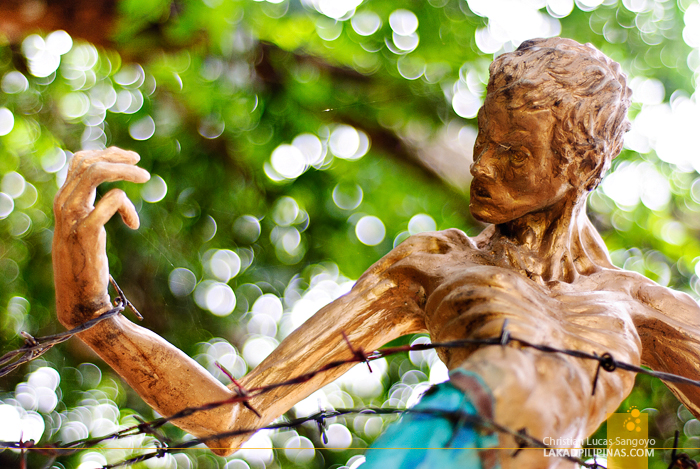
(691, 31)
(285, 211)
(182, 281)
(7, 121)
(336, 9)
(328, 29)
(216, 297)
(632, 183)
(339, 437)
(420, 223)
(74, 105)
(359, 381)
(403, 44)
(256, 349)
(14, 82)
(300, 450)
(510, 22)
(236, 464)
(218, 350)
(348, 143)
(669, 129)
(154, 190)
(370, 230)
(465, 103)
(403, 22)
(347, 196)
(310, 147)
(269, 305)
(560, 8)
(247, 228)
(222, 264)
(142, 129)
(288, 161)
(53, 160)
(366, 23)
(12, 184)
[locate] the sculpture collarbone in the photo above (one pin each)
(469, 291)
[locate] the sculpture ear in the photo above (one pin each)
(589, 170)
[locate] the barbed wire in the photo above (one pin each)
(680, 460)
(163, 444)
(34, 347)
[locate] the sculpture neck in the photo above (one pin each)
(557, 244)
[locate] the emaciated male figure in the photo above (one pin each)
(553, 118)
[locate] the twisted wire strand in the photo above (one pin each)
(35, 347)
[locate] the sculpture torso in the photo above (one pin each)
(592, 314)
(469, 292)
(465, 289)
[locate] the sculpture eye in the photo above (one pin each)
(519, 156)
(479, 143)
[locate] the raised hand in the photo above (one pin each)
(80, 265)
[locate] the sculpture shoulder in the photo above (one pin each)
(654, 297)
(425, 250)
(433, 243)
(669, 302)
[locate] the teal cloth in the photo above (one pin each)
(418, 441)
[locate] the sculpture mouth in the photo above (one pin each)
(479, 191)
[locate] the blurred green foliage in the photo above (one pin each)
(286, 137)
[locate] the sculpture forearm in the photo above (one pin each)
(166, 378)
(375, 312)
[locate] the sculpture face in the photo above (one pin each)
(514, 167)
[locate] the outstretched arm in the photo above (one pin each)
(670, 333)
(379, 308)
(384, 304)
(167, 379)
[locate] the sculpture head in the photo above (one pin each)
(553, 119)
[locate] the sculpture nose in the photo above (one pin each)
(483, 164)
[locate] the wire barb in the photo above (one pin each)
(606, 362)
(321, 423)
(28, 339)
(522, 442)
(124, 301)
(680, 460)
(36, 346)
(505, 335)
(240, 390)
(357, 353)
(456, 427)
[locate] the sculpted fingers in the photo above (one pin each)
(83, 160)
(83, 194)
(114, 201)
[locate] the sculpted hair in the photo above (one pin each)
(585, 90)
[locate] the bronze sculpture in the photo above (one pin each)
(552, 120)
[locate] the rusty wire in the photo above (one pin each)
(163, 445)
(35, 347)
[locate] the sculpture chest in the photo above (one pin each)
(593, 314)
